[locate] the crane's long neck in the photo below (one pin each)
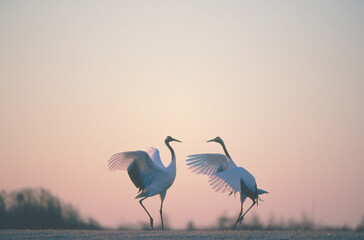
(231, 163)
(225, 150)
(173, 161)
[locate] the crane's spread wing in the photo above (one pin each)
(141, 168)
(207, 163)
(154, 155)
(235, 179)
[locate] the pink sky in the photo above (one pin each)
(280, 82)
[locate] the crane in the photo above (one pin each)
(226, 176)
(147, 172)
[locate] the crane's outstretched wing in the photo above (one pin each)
(207, 163)
(141, 168)
(154, 155)
(235, 179)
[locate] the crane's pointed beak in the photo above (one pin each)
(212, 140)
(176, 140)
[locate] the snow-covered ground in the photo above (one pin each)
(112, 234)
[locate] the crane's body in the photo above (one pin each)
(147, 172)
(226, 176)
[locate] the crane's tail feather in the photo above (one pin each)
(141, 194)
(261, 191)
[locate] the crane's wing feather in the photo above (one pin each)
(141, 168)
(207, 163)
(230, 180)
(154, 155)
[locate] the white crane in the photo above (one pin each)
(226, 176)
(147, 172)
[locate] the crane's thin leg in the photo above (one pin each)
(161, 213)
(242, 217)
(237, 220)
(162, 195)
(151, 219)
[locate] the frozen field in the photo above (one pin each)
(111, 234)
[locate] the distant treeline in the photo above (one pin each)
(39, 209)
(254, 223)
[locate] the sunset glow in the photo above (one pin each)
(282, 82)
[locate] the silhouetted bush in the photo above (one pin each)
(39, 209)
(191, 226)
(360, 227)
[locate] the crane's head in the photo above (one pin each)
(171, 139)
(216, 139)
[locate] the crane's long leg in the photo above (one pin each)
(237, 220)
(162, 195)
(242, 217)
(161, 213)
(151, 219)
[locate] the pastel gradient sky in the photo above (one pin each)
(282, 82)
